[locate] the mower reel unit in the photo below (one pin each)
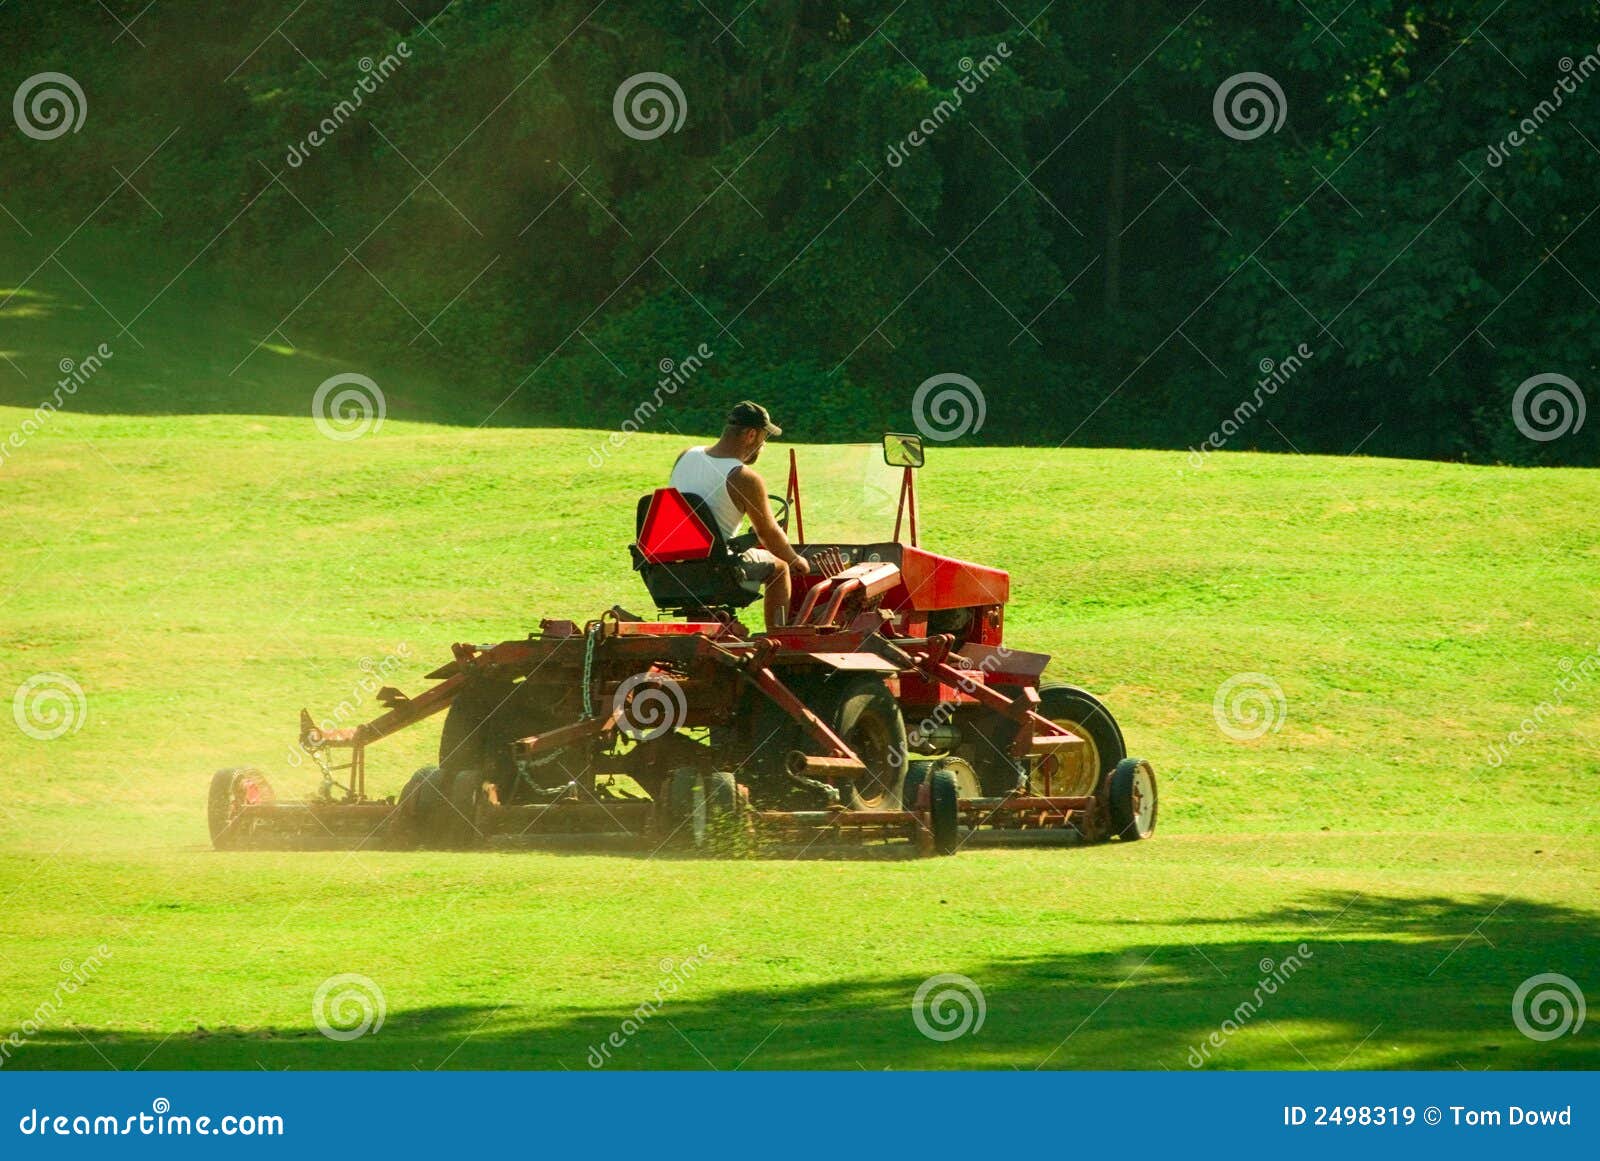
(887, 707)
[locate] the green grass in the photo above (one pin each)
(203, 576)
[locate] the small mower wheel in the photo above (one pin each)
(686, 807)
(461, 813)
(1133, 799)
(226, 833)
(943, 793)
(722, 793)
(431, 808)
(407, 824)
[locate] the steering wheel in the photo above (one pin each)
(781, 515)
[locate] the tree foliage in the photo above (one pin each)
(1077, 233)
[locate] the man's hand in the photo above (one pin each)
(800, 566)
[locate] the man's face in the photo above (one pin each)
(755, 440)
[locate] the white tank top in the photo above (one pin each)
(706, 476)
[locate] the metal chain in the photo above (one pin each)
(589, 636)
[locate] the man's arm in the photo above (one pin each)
(749, 492)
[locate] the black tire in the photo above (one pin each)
(408, 806)
(431, 811)
(460, 826)
(409, 802)
(686, 808)
(863, 712)
(226, 833)
(943, 795)
(1133, 800)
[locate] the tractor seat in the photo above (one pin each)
(680, 554)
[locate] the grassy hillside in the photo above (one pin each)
(201, 577)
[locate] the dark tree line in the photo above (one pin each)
(861, 196)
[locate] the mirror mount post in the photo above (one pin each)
(907, 506)
(791, 496)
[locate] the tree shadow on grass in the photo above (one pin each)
(1405, 982)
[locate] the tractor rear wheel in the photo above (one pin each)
(863, 712)
(1132, 793)
(482, 722)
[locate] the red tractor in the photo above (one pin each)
(887, 707)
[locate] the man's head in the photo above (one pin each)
(747, 430)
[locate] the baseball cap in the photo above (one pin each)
(748, 414)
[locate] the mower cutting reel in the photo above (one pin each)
(886, 707)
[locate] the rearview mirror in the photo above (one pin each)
(902, 451)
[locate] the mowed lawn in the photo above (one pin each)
(203, 577)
